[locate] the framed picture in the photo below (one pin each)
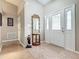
(0, 19)
(10, 21)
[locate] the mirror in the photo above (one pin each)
(35, 24)
(35, 30)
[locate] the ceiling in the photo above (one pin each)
(18, 2)
(44, 2)
(15, 2)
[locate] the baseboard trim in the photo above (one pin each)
(77, 52)
(22, 44)
(47, 42)
(0, 49)
(72, 51)
(9, 40)
(67, 49)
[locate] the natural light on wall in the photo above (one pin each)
(47, 22)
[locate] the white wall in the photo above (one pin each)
(60, 5)
(9, 33)
(21, 27)
(20, 13)
(33, 7)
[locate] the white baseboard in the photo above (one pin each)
(47, 42)
(0, 49)
(22, 44)
(68, 49)
(77, 52)
(9, 40)
(72, 50)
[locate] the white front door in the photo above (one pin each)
(70, 28)
(57, 29)
(60, 28)
(54, 32)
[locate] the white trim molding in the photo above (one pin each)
(77, 52)
(73, 51)
(22, 44)
(0, 49)
(9, 40)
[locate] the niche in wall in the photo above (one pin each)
(10, 22)
(0, 19)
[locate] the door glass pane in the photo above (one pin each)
(56, 22)
(68, 25)
(36, 25)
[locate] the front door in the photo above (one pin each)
(57, 29)
(54, 29)
(60, 28)
(70, 28)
